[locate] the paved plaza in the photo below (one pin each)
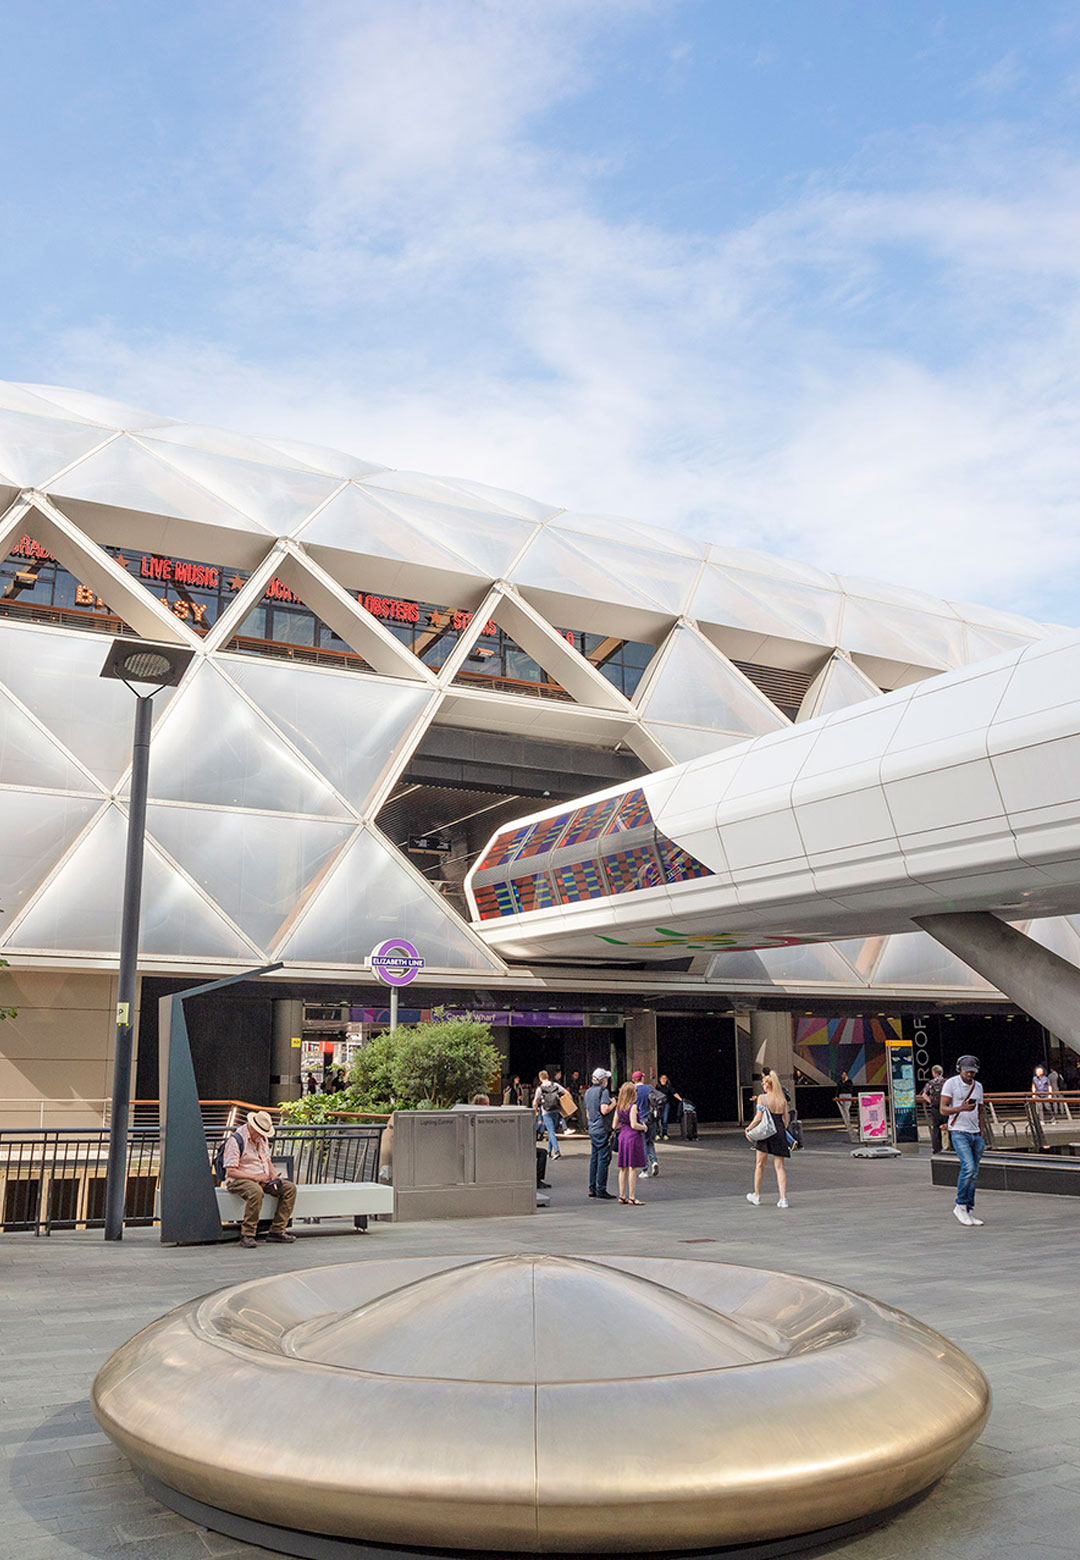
(1007, 1294)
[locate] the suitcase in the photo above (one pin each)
(689, 1122)
(541, 1165)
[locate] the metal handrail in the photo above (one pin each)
(145, 1113)
(54, 1178)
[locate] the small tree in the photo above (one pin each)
(432, 1065)
(371, 1077)
(443, 1062)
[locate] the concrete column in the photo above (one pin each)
(1040, 982)
(288, 1025)
(744, 1059)
(773, 1040)
(641, 1043)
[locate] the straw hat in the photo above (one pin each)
(260, 1121)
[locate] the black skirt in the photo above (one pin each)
(777, 1145)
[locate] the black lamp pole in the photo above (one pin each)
(162, 666)
(116, 1181)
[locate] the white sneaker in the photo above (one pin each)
(753, 1197)
(973, 1220)
(961, 1213)
(654, 1168)
(783, 1203)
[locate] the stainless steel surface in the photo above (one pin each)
(464, 1163)
(533, 1403)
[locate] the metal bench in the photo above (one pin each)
(359, 1200)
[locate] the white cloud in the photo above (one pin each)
(878, 375)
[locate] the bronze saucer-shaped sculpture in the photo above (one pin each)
(540, 1403)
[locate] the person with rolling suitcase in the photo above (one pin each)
(674, 1100)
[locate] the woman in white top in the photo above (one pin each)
(774, 1147)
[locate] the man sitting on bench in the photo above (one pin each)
(249, 1172)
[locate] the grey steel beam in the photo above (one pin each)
(1042, 983)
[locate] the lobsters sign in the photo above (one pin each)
(395, 962)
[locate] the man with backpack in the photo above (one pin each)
(248, 1171)
(546, 1104)
(931, 1098)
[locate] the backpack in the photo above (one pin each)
(550, 1094)
(657, 1101)
(218, 1161)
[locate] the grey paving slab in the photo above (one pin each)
(1006, 1293)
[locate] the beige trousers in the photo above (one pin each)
(252, 1193)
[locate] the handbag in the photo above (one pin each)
(764, 1128)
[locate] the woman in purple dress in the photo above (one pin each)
(631, 1131)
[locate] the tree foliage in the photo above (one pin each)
(443, 1062)
(428, 1066)
(371, 1076)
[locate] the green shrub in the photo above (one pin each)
(418, 1067)
(313, 1110)
(371, 1077)
(443, 1062)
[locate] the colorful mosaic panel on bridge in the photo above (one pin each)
(580, 881)
(633, 814)
(506, 847)
(637, 867)
(532, 893)
(494, 900)
(679, 865)
(544, 836)
(588, 823)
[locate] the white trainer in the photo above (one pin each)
(961, 1213)
(783, 1203)
(753, 1197)
(973, 1220)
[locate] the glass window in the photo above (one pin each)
(289, 626)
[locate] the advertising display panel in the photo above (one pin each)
(873, 1117)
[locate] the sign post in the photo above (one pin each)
(395, 963)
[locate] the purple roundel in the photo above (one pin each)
(395, 962)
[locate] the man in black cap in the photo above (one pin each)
(962, 1107)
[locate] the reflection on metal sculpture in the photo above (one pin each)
(473, 1402)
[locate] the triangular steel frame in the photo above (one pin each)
(188, 1208)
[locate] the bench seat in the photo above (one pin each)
(323, 1200)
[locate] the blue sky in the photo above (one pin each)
(795, 274)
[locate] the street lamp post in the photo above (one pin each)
(153, 667)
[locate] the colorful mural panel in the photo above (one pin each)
(856, 1046)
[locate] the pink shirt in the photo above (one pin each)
(253, 1163)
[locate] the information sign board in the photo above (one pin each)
(901, 1054)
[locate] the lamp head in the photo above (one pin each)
(145, 662)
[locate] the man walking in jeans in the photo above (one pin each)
(598, 1107)
(961, 1107)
